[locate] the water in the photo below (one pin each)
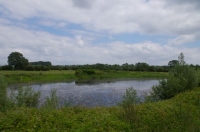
(91, 95)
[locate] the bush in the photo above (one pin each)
(181, 78)
(3, 93)
(29, 68)
(25, 97)
(85, 74)
(52, 102)
(130, 99)
(6, 67)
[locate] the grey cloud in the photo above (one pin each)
(83, 3)
(194, 3)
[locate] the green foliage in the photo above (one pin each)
(25, 96)
(68, 119)
(159, 92)
(172, 63)
(80, 72)
(181, 78)
(17, 60)
(41, 63)
(181, 113)
(38, 76)
(85, 74)
(3, 93)
(52, 102)
(130, 99)
(141, 66)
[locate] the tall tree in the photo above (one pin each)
(17, 61)
(181, 59)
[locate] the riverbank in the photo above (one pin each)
(69, 75)
(181, 113)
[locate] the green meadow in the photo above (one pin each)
(69, 75)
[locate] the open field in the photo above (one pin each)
(67, 75)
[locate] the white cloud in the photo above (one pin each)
(114, 16)
(182, 39)
(100, 18)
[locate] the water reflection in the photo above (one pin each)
(92, 94)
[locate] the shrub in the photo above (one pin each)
(3, 93)
(130, 99)
(85, 74)
(52, 102)
(181, 78)
(25, 97)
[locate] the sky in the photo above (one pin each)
(68, 32)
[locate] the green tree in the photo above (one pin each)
(181, 78)
(181, 60)
(17, 61)
(141, 66)
(172, 63)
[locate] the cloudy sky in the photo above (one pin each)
(69, 32)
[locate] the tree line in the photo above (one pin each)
(16, 61)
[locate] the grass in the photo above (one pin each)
(67, 119)
(38, 76)
(68, 75)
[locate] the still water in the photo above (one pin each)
(95, 94)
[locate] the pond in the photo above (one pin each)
(92, 94)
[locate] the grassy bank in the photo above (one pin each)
(181, 113)
(67, 75)
(37, 76)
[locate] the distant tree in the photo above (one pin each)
(172, 63)
(41, 63)
(141, 66)
(6, 67)
(125, 66)
(181, 60)
(197, 66)
(17, 61)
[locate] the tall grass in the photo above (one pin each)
(128, 104)
(25, 96)
(3, 94)
(51, 102)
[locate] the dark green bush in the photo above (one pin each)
(89, 72)
(86, 74)
(3, 93)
